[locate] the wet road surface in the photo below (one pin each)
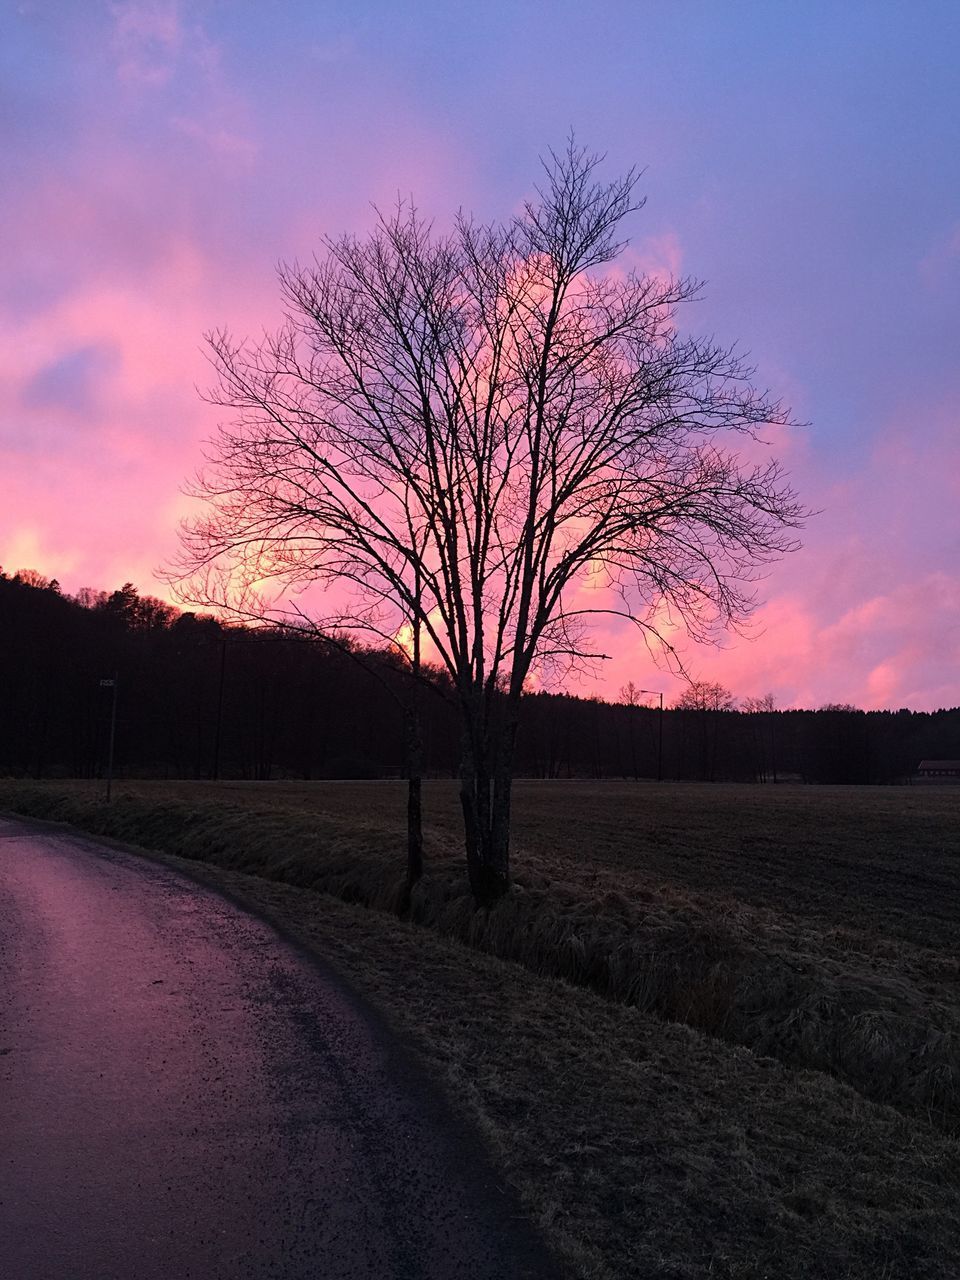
(184, 1094)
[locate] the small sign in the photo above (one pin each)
(107, 684)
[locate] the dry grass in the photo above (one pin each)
(607, 1114)
(833, 979)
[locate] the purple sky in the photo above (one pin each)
(159, 158)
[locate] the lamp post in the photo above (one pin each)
(657, 693)
(112, 685)
(217, 736)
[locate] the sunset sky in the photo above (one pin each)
(160, 158)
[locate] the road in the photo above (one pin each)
(185, 1094)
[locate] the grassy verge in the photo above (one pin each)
(836, 983)
(643, 1148)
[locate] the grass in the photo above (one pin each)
(677, 1032)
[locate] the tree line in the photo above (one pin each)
(198, 699)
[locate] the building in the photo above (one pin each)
(939, 771)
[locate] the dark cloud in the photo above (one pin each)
(73, 381)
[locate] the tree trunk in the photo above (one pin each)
(499, 856)
(474, 792)
(414, 729)
(486, 777)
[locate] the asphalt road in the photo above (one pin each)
(183, 1093)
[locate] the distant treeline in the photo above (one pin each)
(199, 700)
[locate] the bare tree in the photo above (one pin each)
(703, 695)
(707, 700)
(759, 706)
(631, 696)
(471, 430)
(763, 723)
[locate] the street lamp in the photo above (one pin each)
(223, 672)
(657, 693)
(112, 685)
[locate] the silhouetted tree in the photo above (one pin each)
(630, 697)
(701, 695)
(763, 726)
(702, 703)
(464, 428)
(838, 747)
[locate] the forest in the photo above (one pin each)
(197, 699)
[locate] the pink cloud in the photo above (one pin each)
(133, 246)
(219, 139)
(127, 259)
(147, 36)
(869, 611)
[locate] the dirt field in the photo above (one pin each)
(877, 859)
(802, 1123)
(883, 860)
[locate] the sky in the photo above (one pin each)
(160, 159)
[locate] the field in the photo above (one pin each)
(713, 1031)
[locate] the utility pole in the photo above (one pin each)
(111, 684)
(657, 693)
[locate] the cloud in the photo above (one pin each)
(157, 174)
(126, 251)
(98, 389)
(869, 611)
(219, 139)
(25, 547)
(897, 649)
(147, 37)
(72, 382)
